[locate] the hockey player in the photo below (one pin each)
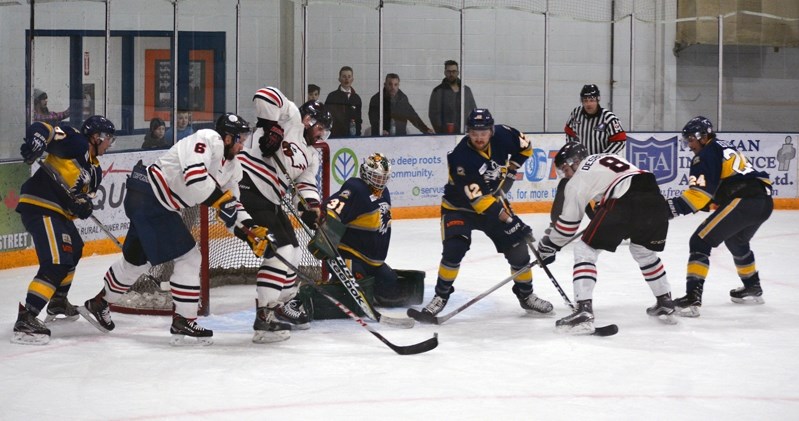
(630, 206)
(281, 147)
(201, 168)
(479, 168)
(597, 128)
(721, 175)
(358, 223)
(47, 212)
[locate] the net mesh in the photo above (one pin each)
(230, 261)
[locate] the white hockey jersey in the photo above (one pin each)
(600, 177)
(300, 160)
(191, 169)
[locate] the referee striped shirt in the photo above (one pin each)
(599, 133)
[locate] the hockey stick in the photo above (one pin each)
(97, 222)
(339, 267)
(608, 330)
(418, 348)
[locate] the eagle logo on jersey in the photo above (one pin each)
(295, 154)
(491, 171)
(385, 218)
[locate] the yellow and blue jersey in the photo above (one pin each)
(69, 157)
(720, 173)
(474, 176)
(367, 217)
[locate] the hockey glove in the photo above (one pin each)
(271, 140)
(81, 206)
(310, 215)
(255, 236)
(227, 211)
(517, 231)
(547, 250)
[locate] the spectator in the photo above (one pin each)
(397, 111)
(345, 105)
(42, 113)
(183, 123)
(313, 92)
(155, 139)
(445, 101)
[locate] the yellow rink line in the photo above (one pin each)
(27, 257)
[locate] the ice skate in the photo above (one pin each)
(268, 328)
(747, 295)
(435, 305)
(663, 309)
(581, 321)
(60, 306)
(534, 305)
(293, 312)
(688, 306)
(96, 311)
(187, 332)
(29, 330)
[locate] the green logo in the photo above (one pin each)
(345, 165)
(416, 190)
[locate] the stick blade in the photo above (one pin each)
(422, 317)
(401, 322)
(419, 348)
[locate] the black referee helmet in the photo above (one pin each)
(589, 91)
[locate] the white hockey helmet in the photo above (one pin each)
(376, 170)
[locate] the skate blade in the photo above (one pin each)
(540, 314)
(267, 337)
(183, 340)
(580, 329)
(303, 326)
(25, 338)
(748, 300)
(90, 318)
(53, 318)
(692, 311)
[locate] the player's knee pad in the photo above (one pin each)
(186, 267)
(517, 256)
(454, 249)
(642, 255)
(698, 245)
(585, 253)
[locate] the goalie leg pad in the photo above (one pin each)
(319, 308)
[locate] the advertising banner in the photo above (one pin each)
(12, 234)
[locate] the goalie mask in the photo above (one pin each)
(375, 171)
(569, 155)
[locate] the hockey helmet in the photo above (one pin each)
(97, 124)
(319, 116)
(589, 91)
(480, 119)
(697, 127)
(376, 170)
(571, 153)
(232, 124)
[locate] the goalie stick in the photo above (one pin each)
(418, 348)
(99, 224)
(340, 267)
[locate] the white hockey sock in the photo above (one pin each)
(120, 277)
(185, 284)
(652, 269)
(274, 276)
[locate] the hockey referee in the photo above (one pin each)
(597, 128)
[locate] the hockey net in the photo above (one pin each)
(226, 260)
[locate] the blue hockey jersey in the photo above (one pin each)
(367, 218)
(69, 157)
(474, 176)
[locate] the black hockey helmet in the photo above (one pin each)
(571, 153)
(319, 115)
(589, 91)
(97, 124)
(480, 119)
(232, 124)
(698, 127)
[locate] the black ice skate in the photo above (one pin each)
(60, 306)
(581, 321)
(688, 306)
(747, 294)
(663, 309)
(293, 312)
(435, 305)
(184, 329)
(29, 330)
(268, 328)
(96, 311)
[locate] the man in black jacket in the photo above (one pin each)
(397, 111)
(345, 106)
(445, 101)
